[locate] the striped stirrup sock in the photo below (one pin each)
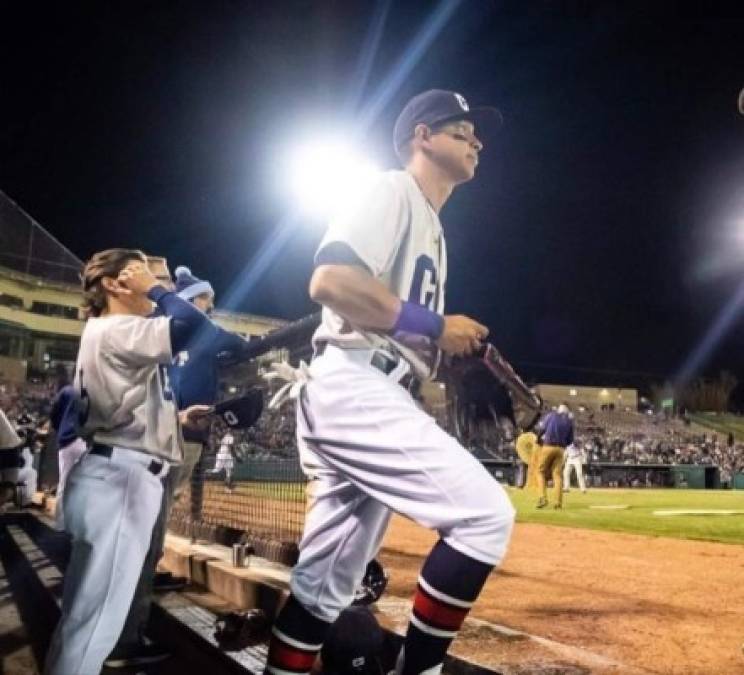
(447, 588)
(296, 639)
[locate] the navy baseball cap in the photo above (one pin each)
(435, 106)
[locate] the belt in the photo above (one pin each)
(385, 363)
(102, 450)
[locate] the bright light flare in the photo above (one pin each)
(329, 178)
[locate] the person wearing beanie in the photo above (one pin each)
(193, 377)
(191, 288)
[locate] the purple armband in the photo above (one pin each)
(416, 319)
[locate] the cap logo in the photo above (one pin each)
(358, 662)
(463, 103)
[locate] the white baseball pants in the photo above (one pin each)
(110, 506)
(576, 465)
(68, 456)
(368, 450)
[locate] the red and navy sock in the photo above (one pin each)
(449, 584)
(296, 639)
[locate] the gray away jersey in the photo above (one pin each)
(397, 234)
(121, 371)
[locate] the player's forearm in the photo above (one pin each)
(354, 294)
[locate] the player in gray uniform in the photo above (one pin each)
(365, 445)
(113, 493)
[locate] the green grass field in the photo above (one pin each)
(639, 518)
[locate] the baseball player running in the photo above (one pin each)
(113, 494)
(365, 445)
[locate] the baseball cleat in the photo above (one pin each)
(139, 655)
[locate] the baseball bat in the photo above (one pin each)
(741, 101)
(302, 329)
(504, 371)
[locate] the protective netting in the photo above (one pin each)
(25, 246)
(263, 500)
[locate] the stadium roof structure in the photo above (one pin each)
(25, 246)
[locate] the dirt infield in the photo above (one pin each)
(655, 604)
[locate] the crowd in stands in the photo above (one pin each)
(271, 438)
(31, 398)
(627, 438)
(27, 408)
(606, 436)
(635, 438)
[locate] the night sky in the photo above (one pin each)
(599, 236)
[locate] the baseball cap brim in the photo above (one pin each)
(485, 118)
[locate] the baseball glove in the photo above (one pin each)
(237, 630)
(488, 361)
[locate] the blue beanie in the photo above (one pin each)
(188, 286)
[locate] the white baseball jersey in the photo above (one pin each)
(573, 452)
(397, 234)
(224, 459)
(121, 372)
(226, 443)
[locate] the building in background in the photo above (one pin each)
(592, 398)
(40, 297)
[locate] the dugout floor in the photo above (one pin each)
(33, 557)
(607, 626)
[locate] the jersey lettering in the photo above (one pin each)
(165, 383)
(424, 286)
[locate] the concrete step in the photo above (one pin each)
(265, 585)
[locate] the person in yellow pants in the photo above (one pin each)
(528, 451)
(557, 432)
(551, 465)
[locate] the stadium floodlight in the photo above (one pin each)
(329, 177)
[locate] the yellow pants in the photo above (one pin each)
(551, 464)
